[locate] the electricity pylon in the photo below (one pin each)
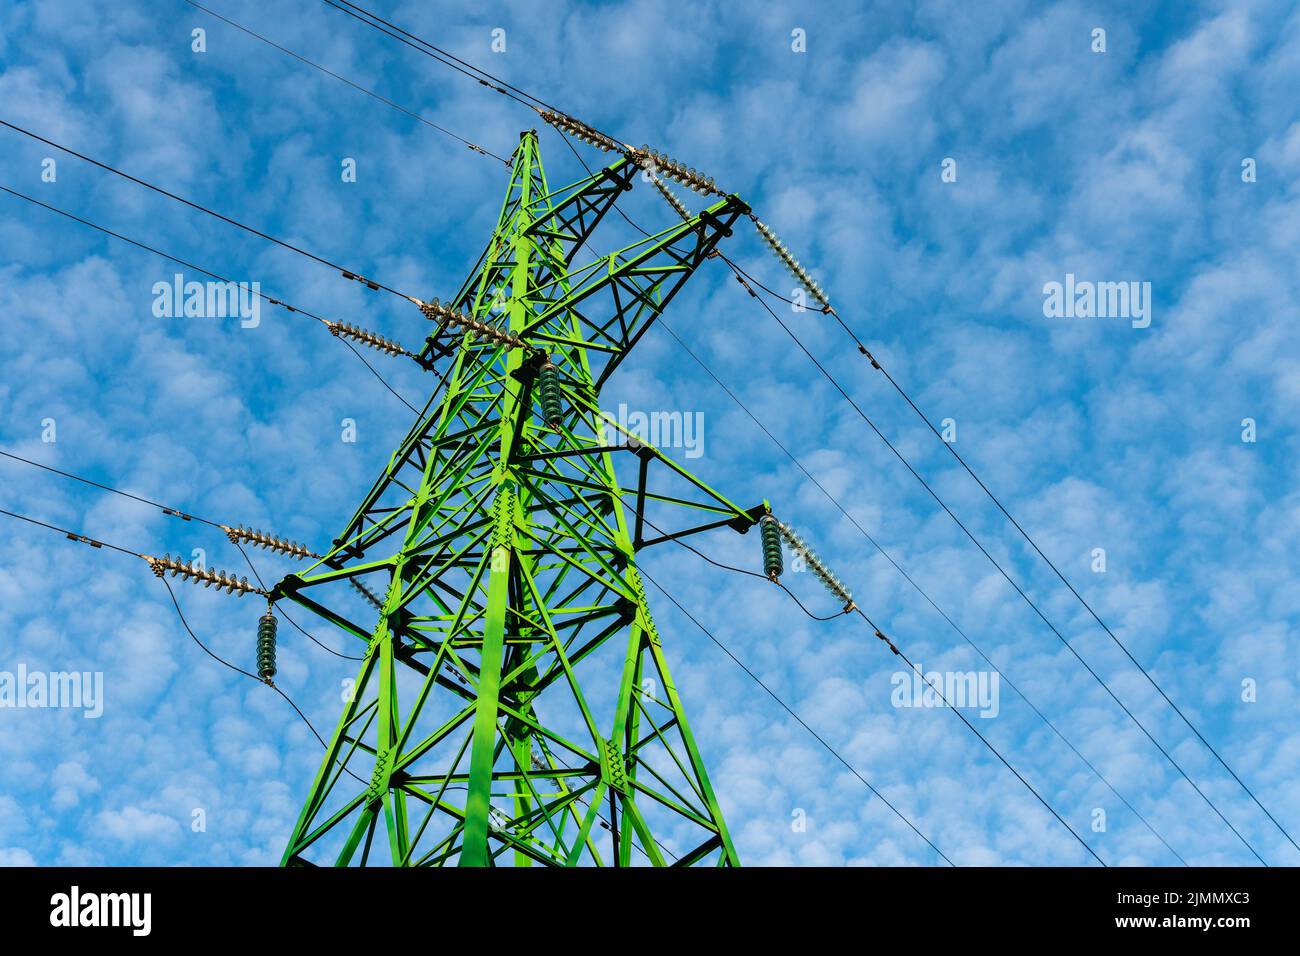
(515, 703)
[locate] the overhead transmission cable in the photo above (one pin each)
(97, 543)
(745, 280)
(346, 273)
(794, 714)
(808, 283)
(965, 720)
(1019, 590)
(644, 157)
(479, 75)
(853, 607)
(875, 362)
(815, 290)
(356, 86)
(231, 532)
(925, 595)
(667, 196)
(340, 330)
(239, 670)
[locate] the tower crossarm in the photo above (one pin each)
(616, 298)
(578, 210)
(612, 435)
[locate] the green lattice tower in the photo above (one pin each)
(515, 703)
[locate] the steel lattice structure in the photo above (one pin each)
(515, 702)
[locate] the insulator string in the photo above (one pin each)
(197, 574)
(448, 317)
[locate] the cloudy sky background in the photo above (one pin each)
(1124, 165)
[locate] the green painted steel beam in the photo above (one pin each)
(514, 703)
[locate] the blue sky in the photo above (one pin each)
(1123, 165)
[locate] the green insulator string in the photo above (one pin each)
(548, 393)
(266, 646)
(771, 535)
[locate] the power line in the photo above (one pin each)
(919, 673)
(96, 543)
(72, 535)
(268, 298)
(328, 323)
(449, 55)
(117, 491)
(356, 86)
(741, 276)
(434, 52)
(776, 295)
(736, 269)
(479, 75)
(165, 509)
(1032, 543)
(346, 273)
(1025, 597)
(911, 581)
(791, 711)
(239, 670)
(880, 634)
